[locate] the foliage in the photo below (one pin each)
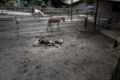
(46, 1)
(10, 4)
(56, 3)
(54, 11)
(76, 11)
(89, 2)
(25, 4)
(1, 4)
(64, 7)
(43, 5)
(3, 1)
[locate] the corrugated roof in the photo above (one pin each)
(69, 1)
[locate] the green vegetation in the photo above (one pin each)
(76, 11)
(46, 1)
(57, 3)
(64, 7)
(43, 5)
(55, 11)
(3, 2)
(89, 2)
(26, 4)
(10, 4)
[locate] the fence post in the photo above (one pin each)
(62, 11)
(71, 9)
(51, 27)
(32, 10)
(6, 10)
(17, 27)
(115, 74)
(96, 14)
(115, 44)
(2, 10)
(85, 22)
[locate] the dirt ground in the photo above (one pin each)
(82, 56)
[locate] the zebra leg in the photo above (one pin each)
(48, 27)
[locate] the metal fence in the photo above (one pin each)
(59, 11)
(14, 24)
(25, 25)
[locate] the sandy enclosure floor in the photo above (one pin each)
(82, 56)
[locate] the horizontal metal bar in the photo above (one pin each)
(37, 30)
(20, 25)
(44, 31)
(8, 32)
(9, 27)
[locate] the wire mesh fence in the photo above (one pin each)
(52, 11)
(35, 24)
(21, 25)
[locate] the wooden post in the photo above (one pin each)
(85, 22)
(115, 74)
(96, 13)
(71, 9)
(115, 44)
